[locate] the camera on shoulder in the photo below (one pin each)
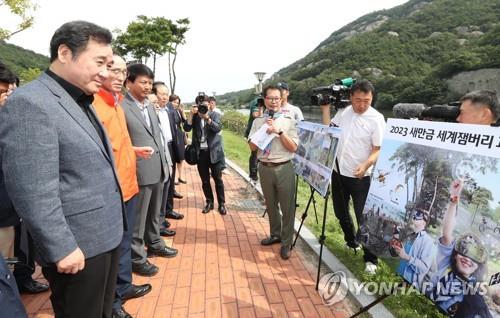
(337, 94)
(201, 101)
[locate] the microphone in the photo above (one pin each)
(448, 113)
(271, 113)
(408, 110)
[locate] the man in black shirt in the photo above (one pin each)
(59, 172)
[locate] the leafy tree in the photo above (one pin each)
(178, 38)
(29, 74)
(153, 37)
(144, 38)
(23, 9)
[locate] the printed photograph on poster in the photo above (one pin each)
(433, 213)
(314, 158)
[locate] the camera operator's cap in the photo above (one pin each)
(469, 245)
(283, 85)
(420, 214)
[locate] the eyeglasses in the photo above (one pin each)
(273, 99)
(117, 71)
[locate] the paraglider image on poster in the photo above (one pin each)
(314, 158)
(433, 212)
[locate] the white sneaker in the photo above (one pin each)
(370, 268)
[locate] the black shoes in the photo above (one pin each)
(270, 240)
(174, 215)
(136, 291)
(208, 208)
(120, 313)
(162, 252)
(177, 195)
(166, 224)
(146, 269)
(166, 232)
(31, 286)
(285, 252)
(222, 209)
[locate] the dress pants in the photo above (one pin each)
(252, 165)
(24, 250)
(7, 241)
(147, 222)
(167, 203)
(88, 293)
(124, 278)
(205, 168)
(344, 188)
(278, 187)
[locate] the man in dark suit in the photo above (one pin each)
(59, 172)
(206, 126)
(152, 173)
(167, 123)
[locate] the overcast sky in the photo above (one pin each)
(228, 40)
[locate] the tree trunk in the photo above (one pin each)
(154, 63)
(173, 69)
(170, 72)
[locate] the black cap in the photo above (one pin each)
(283, 85)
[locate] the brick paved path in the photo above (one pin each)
(221, 269)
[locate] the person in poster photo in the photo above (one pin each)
(416, 252)
(461, 262)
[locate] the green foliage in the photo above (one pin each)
(24, 63)
(235, 121)
(435, 40)
(153, 37)
(29, 74)
(23, 9)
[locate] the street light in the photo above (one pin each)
(260, 77)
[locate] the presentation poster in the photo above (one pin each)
(315, 155)
(433, 212)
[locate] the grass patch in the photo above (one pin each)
(408, 306)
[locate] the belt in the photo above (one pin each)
(273, 164)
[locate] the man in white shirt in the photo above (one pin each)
(287, 108)
(359, 146)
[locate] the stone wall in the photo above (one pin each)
(462, 83)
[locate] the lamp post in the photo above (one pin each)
(260, 77)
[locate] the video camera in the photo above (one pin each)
(202, 97)
(446, 113)
(337, 94)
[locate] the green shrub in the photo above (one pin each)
(235, 122)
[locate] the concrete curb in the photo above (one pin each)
(330, 260)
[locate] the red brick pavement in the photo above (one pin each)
(221, 269)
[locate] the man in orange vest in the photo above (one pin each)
(110, 113)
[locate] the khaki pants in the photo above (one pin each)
(278, 187)
(7, 241)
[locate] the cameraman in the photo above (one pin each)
(359, 146)
(479, 107)
(206, 126)
(256, 110)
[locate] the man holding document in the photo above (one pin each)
(275, 137)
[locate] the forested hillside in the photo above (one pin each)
(407, 51)
(26, 64)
